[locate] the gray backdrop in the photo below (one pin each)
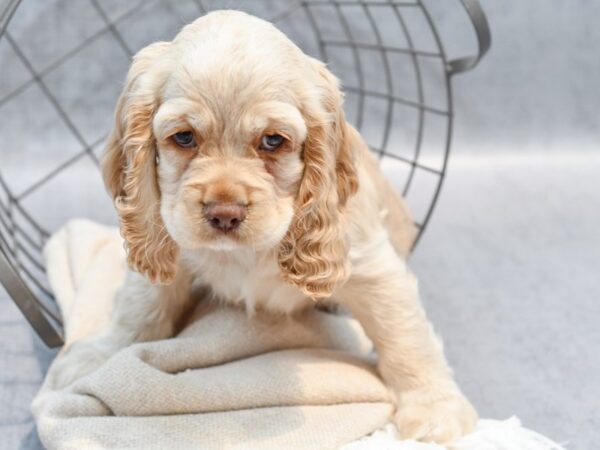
(509, 264)
(537, 90)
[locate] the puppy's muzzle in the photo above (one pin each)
(225, 216)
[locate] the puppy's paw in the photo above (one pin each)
(81, 359)
(434, 415)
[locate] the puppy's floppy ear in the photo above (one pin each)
(314, 253)
(129, 170)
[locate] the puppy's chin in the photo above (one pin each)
(200, 238)
(223, 244)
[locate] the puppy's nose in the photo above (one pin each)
(225, 216)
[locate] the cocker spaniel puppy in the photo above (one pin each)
(232, 167)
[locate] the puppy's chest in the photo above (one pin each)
(254, 281)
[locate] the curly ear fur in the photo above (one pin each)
(129, 170)
(313, 254)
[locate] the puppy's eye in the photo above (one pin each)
(271, 142)
(184, 139)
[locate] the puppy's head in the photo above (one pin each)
(231, 137)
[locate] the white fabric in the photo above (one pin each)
(226, 381)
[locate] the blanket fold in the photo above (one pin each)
(228, 380)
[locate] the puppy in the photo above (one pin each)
(232, 167)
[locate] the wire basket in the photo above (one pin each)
(63, 63)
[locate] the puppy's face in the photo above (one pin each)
(231, 137)
(230, 157)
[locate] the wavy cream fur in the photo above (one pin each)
(322, 222)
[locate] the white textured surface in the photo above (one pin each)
(489, 435)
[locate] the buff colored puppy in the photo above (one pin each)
(233, 168)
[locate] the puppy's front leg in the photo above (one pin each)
(142, 312)
(383, 296)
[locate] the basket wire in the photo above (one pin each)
(336, 34)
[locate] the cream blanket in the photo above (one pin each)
(227, 381)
